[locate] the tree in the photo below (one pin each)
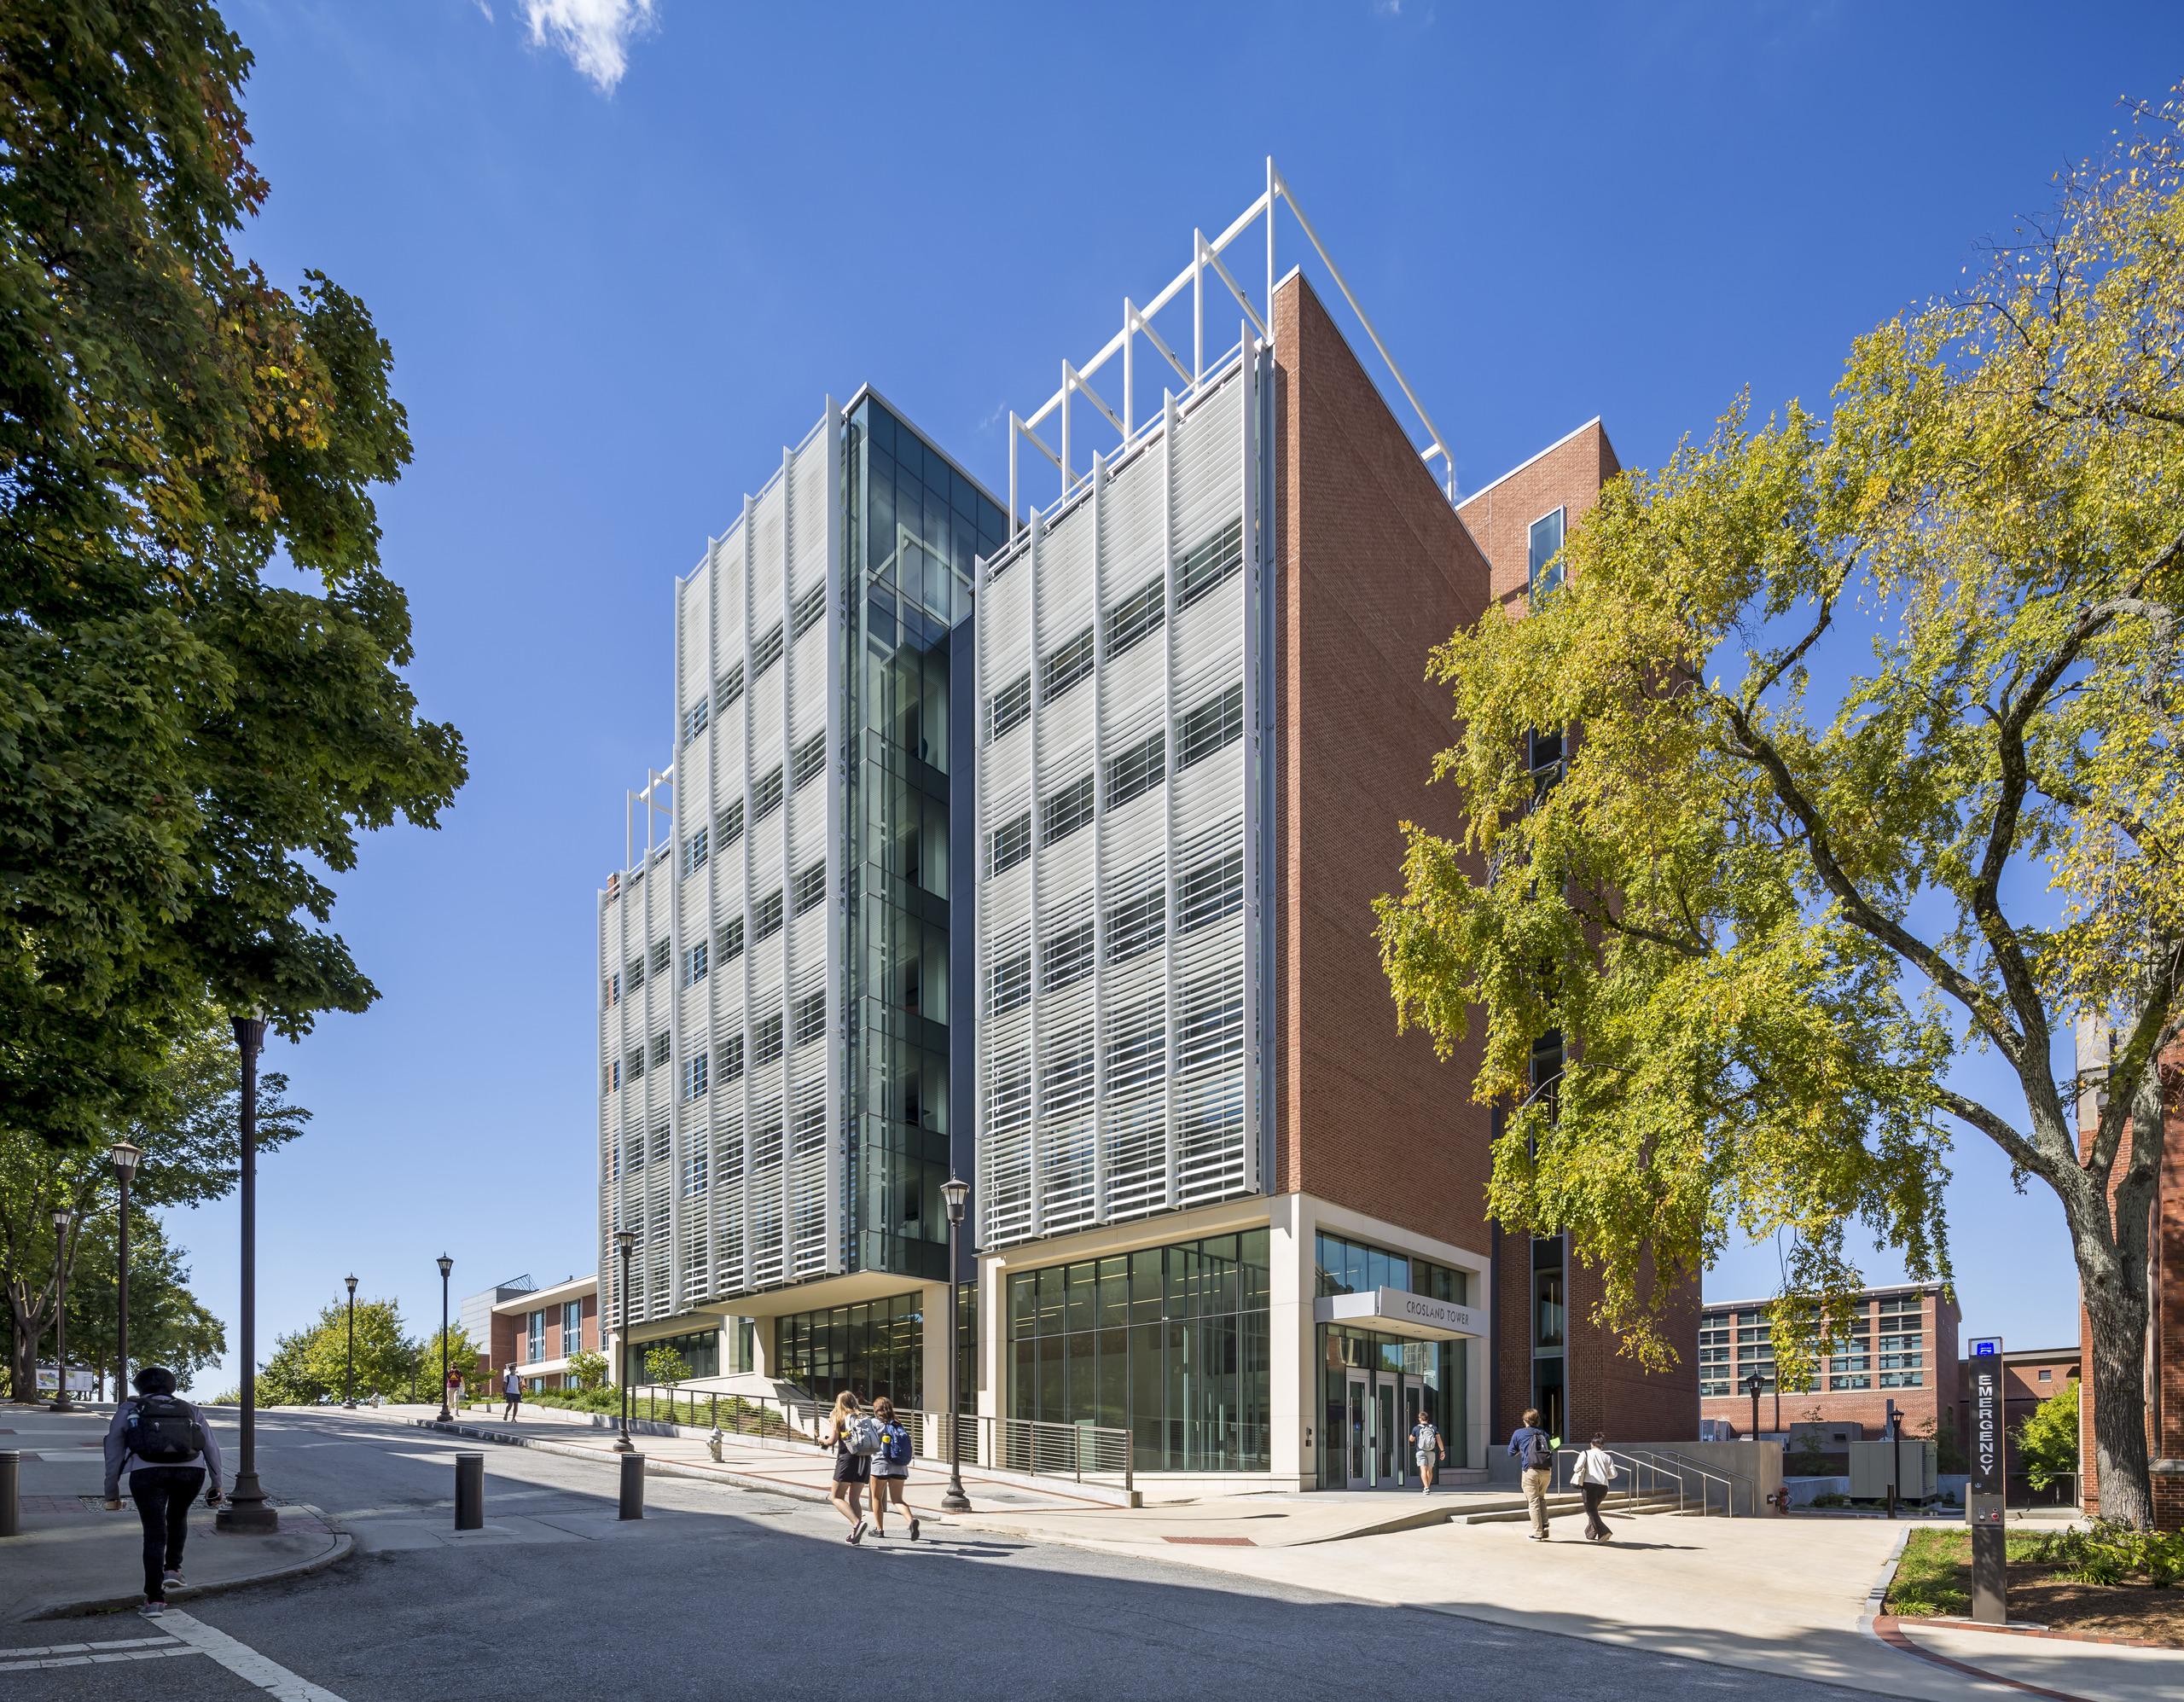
(2047, 1440)
(313, 1363)
(192, 1154)
(588, 1368)
(183, 740)
(663, 1365)
(463, 1356)
(1846, 699)
(167, 1324)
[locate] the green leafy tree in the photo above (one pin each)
(2047, 1440)
(192, 1154)
(462, 1354)
(1846, 698)
(167, 1324)
(184, 739)
(314, 1363)
(588, 1368)
(663, 1365)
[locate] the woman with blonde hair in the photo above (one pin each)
(890, 1468)
(852, 1465)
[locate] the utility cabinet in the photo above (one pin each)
(1911, 1465)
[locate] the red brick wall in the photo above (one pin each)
(1941, 1390)
(1568, 476)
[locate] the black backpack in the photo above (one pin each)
(1539, 1453)
(164, 1431)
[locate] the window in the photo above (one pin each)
(766, 917)
(1133, 773)
(1211, 1032)
(1138, 1050)
(1207, 893)
(1214, 725)
(1009, 705)
(727, 944)
(662, 954)
(634, 1064)
(694, 965)
(765, 1041)
(1066, 958)
(1012, 983)
(634, 971)
(1064, 665)
(805, 613)
(572, 1328)
(728, 688)
(810, 760)
(694, 852)
(1065, 811)
(694, 719)
(1009, 845)
(1137, 925)
(694, 1172)
(729, 1059)
(613, 991)
(694, 1070)
(1545, 572)
(613, 1075)
(812, 886)
(633, 1150)
(534, 1337)
(765, 797)
(2046, 1376)
(809, 1019)
(1136, 616)
(661, 1048)
(765, 653)
(1348, 1267)
(727, 824)
(1209, 563)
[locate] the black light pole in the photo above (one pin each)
(955, 1191)
(247, 1509)
(349, 1390)
(124, 1158)
(446, 1265)
(625, 1239)
(61, 1218)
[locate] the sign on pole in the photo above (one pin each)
(1985, 1503)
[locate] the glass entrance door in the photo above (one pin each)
(1387, 1455)
(1414, 1405)
(1359, 1439)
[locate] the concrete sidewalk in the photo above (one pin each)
(74, 1557)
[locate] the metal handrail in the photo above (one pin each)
(1630, 1494)
(1725, 1476)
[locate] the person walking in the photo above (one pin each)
(890, 1468)
(176, 1454)
(512, 1387)
(1428, 1447)
(455, 1393)
(1596, 1471)
(1534, 1449)
(854, 1436)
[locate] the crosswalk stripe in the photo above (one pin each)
(245, 1662)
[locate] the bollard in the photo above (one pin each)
(470, 1492)
(11, 1499)
(633, 1486)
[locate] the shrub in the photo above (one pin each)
(2109, 1552)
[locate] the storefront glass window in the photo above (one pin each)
(874, 1348)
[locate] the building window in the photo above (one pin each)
(765, 653)
(612, 988)
(1066, 957)
(694, 965)
(572, 1328)
(1066, 811)
(694, 852)
(727, 944)
(1137, 925)
(765, 1041)
(1207, 893)
(534, 1337)
(694, 1173)
(660, 1049)
(810, 760)
(662, 952)
(873, 1349)
(810, 1020)
(1009, 845)
(811, 887)
(1545, 572)
(634, 971)
(612, 1075)
(728, 688)
(1209, 563)
(766, 797)
(1213, 726)
(1211, 1032)
(1133, 772)
(695, 1073)
(1064, 665)
(766, 917)
(1008, 707)
(727, 824)
(730, 1059)
(1012, 983)
(807, 610)
(2046, 1376)
(694, 719)
(1136, 618)
(700, 1349)
(635, 1063)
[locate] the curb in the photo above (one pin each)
(665, 1468)
(1882, 1626)
(116, 1604)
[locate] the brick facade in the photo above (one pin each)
(1939, 1391)
(511, 1343)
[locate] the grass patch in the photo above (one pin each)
(1934, 1577)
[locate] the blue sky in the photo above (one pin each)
(624, 252)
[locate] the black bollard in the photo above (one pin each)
(11, 1497)
(470, 1492)
(633, 1486)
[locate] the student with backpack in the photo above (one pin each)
(1534, 1449)
(855, 1438)
(512, 1387)
(890, 1468)
(174, 1449)
(1428, 1447)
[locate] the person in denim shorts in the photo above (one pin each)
(890, 1469)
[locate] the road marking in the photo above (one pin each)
(246, 1662)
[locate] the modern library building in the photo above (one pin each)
(1038, 841)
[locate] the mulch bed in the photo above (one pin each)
(1935, 1580)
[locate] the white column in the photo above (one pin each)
(1291, 1384)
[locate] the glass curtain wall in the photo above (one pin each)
(700, 1351)
(1374, 1387)
(1168, 1342)
(914, 527)
(874, 1348)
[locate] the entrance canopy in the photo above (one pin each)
(1398, 1312)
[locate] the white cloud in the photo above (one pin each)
(595, 34)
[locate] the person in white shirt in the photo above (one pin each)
(512, 1392)
(1596, 1471)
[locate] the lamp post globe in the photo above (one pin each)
(124, 1157)
(446, 1265)
(625, 1240)
(349, 1380)
(956, 1191)
(62, 1219)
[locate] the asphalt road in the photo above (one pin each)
(721, 1592)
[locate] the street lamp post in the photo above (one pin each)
(955, 1191)
(61, 1218)
(349, 1389)
(247, 1509)
(124, 1158)
(446, 1265)
(624, 1240)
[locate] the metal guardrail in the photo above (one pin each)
(1708, 1477)
(1632, 1492)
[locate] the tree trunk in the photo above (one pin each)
(2117, 1353)
(23, 1366)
